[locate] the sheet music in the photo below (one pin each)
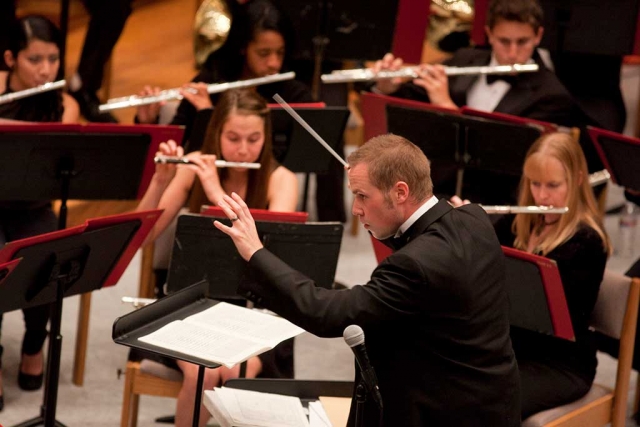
(224, 334)
(251, 408)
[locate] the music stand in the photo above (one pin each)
(620, 155)
(259, 214)
(304, 154)
(536, 296)
(311, 248)
(64, 263)
(46, 161)
(129, 328)
(481, 158)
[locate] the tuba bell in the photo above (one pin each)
(211, 28)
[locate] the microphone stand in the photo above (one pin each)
(361, 398)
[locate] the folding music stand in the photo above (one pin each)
(536, 296)
(311, 248)
(304, 154)
(620, 155)
(64, 263)
(481, 158)
(46, 161)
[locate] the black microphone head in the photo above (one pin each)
(353, 335)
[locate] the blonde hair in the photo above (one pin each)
(580, 200)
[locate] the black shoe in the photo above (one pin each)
(30, 382)
(89, 107)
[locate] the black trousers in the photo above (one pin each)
(18, 224)
(107, 22)
(543, 387)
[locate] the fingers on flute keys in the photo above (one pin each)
(388, 62)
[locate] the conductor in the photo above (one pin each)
(434, 312)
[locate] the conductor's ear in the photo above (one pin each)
(401, 191)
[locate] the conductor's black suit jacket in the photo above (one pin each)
(539, 95)
(435, 320)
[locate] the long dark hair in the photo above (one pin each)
(249, 20)
(44, 107)
(248, 103)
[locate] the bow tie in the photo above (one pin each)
(395, 243)
(509, 78)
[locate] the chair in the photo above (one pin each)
(615, 315)
(149, 378)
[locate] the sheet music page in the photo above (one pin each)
(224, 334)
(203, 342)
(253, 408)
(250, 324)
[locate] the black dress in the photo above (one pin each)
(21, 219)
(555, 371)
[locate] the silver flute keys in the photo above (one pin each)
(367, 74)
(174, 94)
(10, 97)
(219, 163)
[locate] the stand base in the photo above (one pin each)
(38, 421)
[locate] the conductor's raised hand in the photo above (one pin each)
(149, 113)
(243, 228)
(197, 95)
(388, 63)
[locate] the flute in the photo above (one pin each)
(498, 209)
(10, 97)
(138, 302)
(174, 94)
(219, 163)
(599, 177)
(367, 74)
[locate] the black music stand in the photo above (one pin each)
(304, 154)
(620, 155)
(90, 162)
(473, 157)
(64, 263)
(310, 248)
(536, 296)
(191, 300)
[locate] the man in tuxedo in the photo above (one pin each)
(514, 30)
(434, 313)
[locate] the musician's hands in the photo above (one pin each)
(243, 228)
(166, 171)
(390, 63)
(456, 202)
(149, 113)
(204, 165)
(200, 100)
(435, 81)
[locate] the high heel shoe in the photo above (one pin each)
(29, 382)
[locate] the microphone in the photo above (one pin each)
(354, 337)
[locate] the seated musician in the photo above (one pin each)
(239, 131)
(554, 371)
(257, 46)
(514, 30)
(33, 59)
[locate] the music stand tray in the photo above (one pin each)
(620, 155)
(536, 296)
(64, 263)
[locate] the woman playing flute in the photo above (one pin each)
(555, 371)
(33, 59)
(259, 44)
(239, 131)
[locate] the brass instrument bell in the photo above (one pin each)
(211, 28)
(449, 18)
